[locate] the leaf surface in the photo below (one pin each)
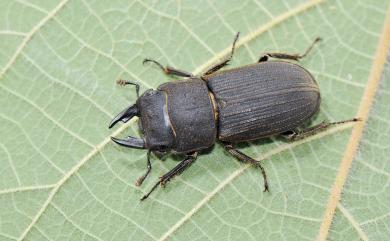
(62, 177)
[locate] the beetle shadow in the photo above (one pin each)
(180, 156)
(309, 123)
(258, 142)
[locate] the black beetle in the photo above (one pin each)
(241, 104)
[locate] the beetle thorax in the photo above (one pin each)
(178, 117)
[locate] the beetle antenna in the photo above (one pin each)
(128, 82)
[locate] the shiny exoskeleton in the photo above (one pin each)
(247, 103)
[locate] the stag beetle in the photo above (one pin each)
(256, 101)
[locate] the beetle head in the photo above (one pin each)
(156, 128)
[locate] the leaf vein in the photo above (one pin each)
(32, 143)
(239, 171)
(113, 210)
(26, 189)
(81, 94)
(30, 35)
(9, 158)
(181, 23)
(12, 33)
(353, 222)
(59, 184)
(73, 223)
(262, 29)
(378, 63)
(101, 53)
(47, 115)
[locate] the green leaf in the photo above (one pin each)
(363, 212)
(62, 177)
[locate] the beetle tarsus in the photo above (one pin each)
(295, 135)
(169, 70)
(266, 189)
(151, 190)
(316, 40)
(178, 169)
(264, 57)
(247, 159)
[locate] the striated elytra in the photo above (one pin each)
(256, 101)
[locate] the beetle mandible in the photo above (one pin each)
(256, 101)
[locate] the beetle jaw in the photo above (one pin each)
(124, 115)
(130, 142)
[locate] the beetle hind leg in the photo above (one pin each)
(179, 168)
(264, 57)
(246, 159)
(295, 135)
(169, 70)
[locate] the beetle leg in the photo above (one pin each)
(169, 70)
(246, 159)
(179, 168)
(225, 62)
(264, 57)
(301, 134)
(141, 179)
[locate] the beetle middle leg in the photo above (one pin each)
(179, 168)
(264, 57)
(225, 62)
(295, 135)
(169, 70)
(246, 159)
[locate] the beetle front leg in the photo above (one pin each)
(301, 134)
(246, 159)
(141, 179)
(264, 57)
(178, 169)
(225, 62)
(169, 70)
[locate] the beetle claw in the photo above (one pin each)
(130, 141)
(124, 115)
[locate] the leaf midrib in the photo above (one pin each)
(366, 103)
